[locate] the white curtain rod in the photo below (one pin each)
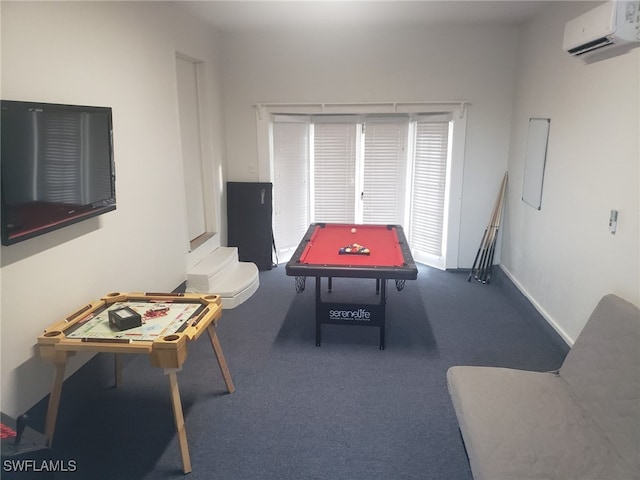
(324, 106)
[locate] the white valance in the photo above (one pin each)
(362, 108)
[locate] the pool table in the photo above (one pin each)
(379, 252)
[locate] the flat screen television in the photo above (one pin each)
(57, 166)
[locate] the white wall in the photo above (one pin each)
(563, 256)
(122, 55)
(381, 65)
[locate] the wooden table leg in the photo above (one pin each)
(179, 419)
(222, 363)
(54, 401)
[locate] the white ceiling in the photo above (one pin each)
(232, 15)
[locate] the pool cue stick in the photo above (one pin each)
(483, 253)
(495, 227)
(477, 272)
(482, 250)
(491, 247)
(475, 261)
(483, 256)
(480, 274)
(482, 271)
(487, 272)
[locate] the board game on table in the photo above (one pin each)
(331, 250)
(168, 322)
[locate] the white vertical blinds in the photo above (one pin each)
(387, 170)
(429, 183)
(290, 183)
(385, 161)
(334, 172)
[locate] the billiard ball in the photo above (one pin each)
(353, 230)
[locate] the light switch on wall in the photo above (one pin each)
(613, 221)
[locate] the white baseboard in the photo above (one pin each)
(550, 320)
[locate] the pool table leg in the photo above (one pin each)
(318, 301)
(383, 302)
(179, 418)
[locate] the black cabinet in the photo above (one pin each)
(249, 213)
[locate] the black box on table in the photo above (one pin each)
(124, 318)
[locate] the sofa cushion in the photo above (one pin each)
(602, 371)
(526, 425)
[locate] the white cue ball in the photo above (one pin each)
(353, 230)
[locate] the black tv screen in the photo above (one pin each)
(57, 166)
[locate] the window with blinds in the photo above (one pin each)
(362, 169)
(290, 137)
(428, 188)
(334, 172)
(385, 171)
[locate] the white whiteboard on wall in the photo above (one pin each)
(535, 160)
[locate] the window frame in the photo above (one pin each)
(458, 110)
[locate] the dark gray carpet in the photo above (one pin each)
(345, 410)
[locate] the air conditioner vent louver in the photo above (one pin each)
(590, 46)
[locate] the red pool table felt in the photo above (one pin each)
(327, 240)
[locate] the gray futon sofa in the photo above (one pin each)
(579, 423)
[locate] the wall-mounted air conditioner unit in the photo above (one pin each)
(612, 23)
